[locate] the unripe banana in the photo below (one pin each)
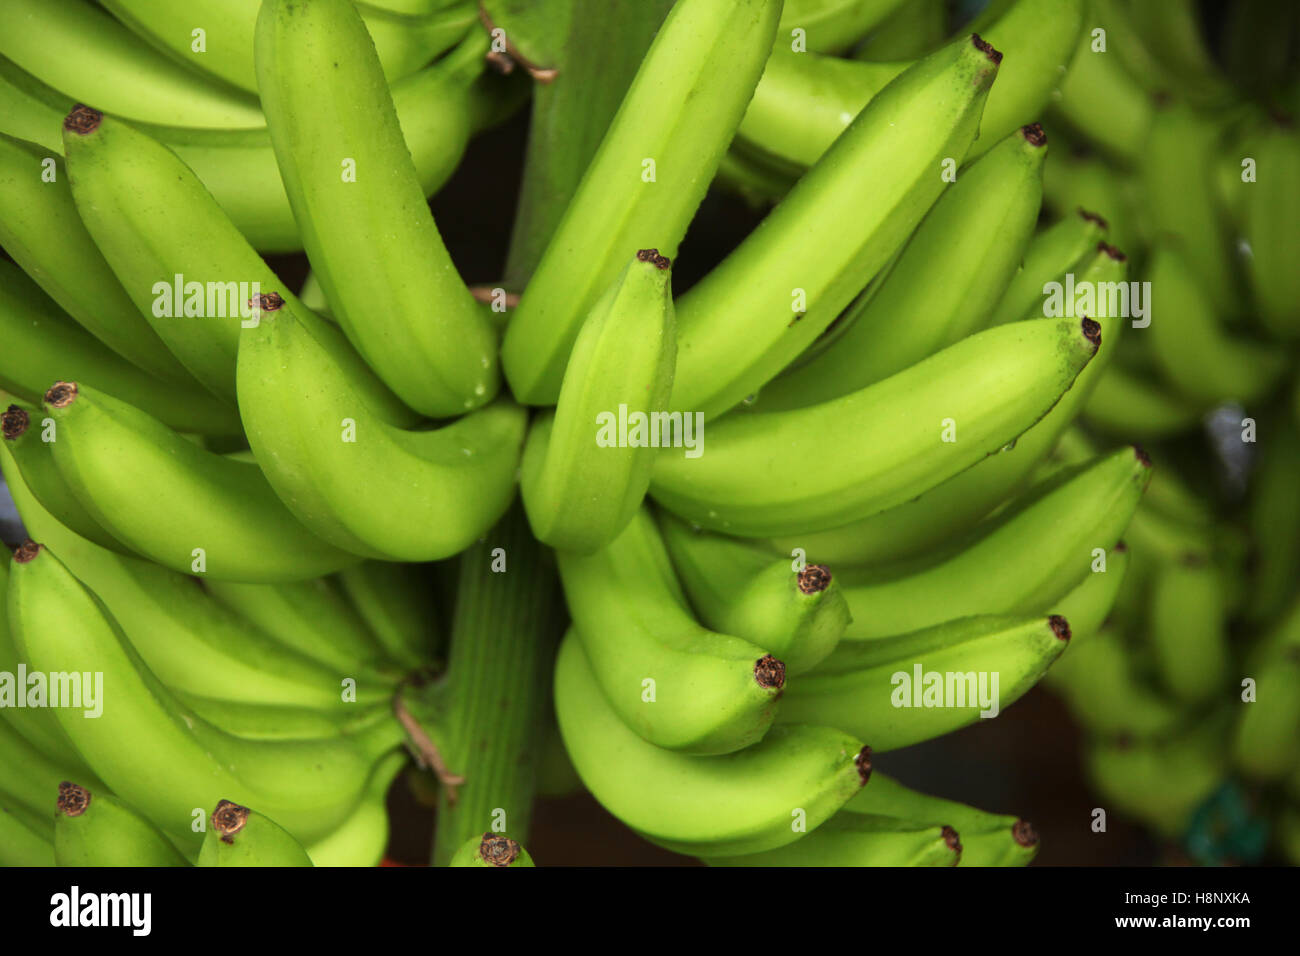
(1059, 249)
(1266, 741)
(1104, 692)
(78, 48)
(32, 768)
(829, 25)
(1132, 405)
(40, 228)
(362, 838)
(672, 681)
(188, 509)
(97, 829)
(155, 755)
(914, 29)
(974, 249)
(1088, 605)
(1099, 99)
(1021, 561)
(43, 344)
(755, 799)
(154, 222)
(238, 836)
(1072, 181)
(579, 491)
(1274, 521)
(860, 839)
(783, 285)
(1270, 209)
(355, 480)
(674, 124)
(1188, 630)
(906, 689)
(881, 445)
(737, 588)
(23, 841)
(258, 720)
(396, 602)
(987, 839)
(360, 208)
(491, 850)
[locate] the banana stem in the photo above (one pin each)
(506, 626)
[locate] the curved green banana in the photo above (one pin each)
(1131, 405)
(97, 829)
(830, 25)
(913, 687)
(1099, 99)
(238, 836)
(1020, 561)
(737, 588)
(491, 850)
(1058, 249)
(168, 499)
(42, 345)
(1195, 353)
(1104, 691)
(40, 229)
(157, 756)
(1188, 630)
(670, 680)
(1171, 31)
(355, 480)
(913, 30)
(1266, 740)
(987, 839)
(860, 839)
(1269, 213)
(396, 602)
(772, 296)
(581, 481)
(24, 841)
(646, 179)
(78, 48)
(256, 720)
(363, 837)
(360, 208)
(755, 799)
(826, 465)
(974, 237)
(402, 43)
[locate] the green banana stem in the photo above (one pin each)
(503, 640)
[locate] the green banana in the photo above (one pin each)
(773, 295)
(920, 524)
(78, 48)
(826, 465)
(43, 344)
(1132, 405)
(31, 453)
(40, 228)
(673, 126)
(402, 43)
(1171, 31)
(670, 680)
(355, 480)
(1188, 630)
(1072, 181)
(912, 687)
(860, 839)
(97, 829)
(914, 29)
(1269, 212)
(1106, 694)
(32, 769)
(1195, 353)
(256, 720)
(1274, 522)
(491, 850)
(737, 588)
(360, 208)
(154, 754)
(830, 25)
(23, 842)
(173, 250)
(911, 317)
(1089, 604)
(1058, 249)
(238, 836)
(1099, 99)
(1039, 39)
(580, 490)
(395, 601)
(1019, 561)
(987, 839)
(202, 513)
(362, 838)
(755, 799)
(1266, 740)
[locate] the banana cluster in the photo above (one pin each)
(859, 487)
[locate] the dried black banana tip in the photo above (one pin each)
(14, 422)
(1034, 134)
(82, 120)
(1120, 547)
(1093, 217)
(1141, 454)
(61, 394)
(1092, 332)
(1060, 626)
(228, 819)
(73, 800)
(863, 762)
(652, 256)
(1111, 251)
(814, 579)
(27, 551)
(986, 48)
(1023, 832)
(769, 672)
(951, 838)
(498, 850)
(267, 302)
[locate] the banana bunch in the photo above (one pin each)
(865, 483)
